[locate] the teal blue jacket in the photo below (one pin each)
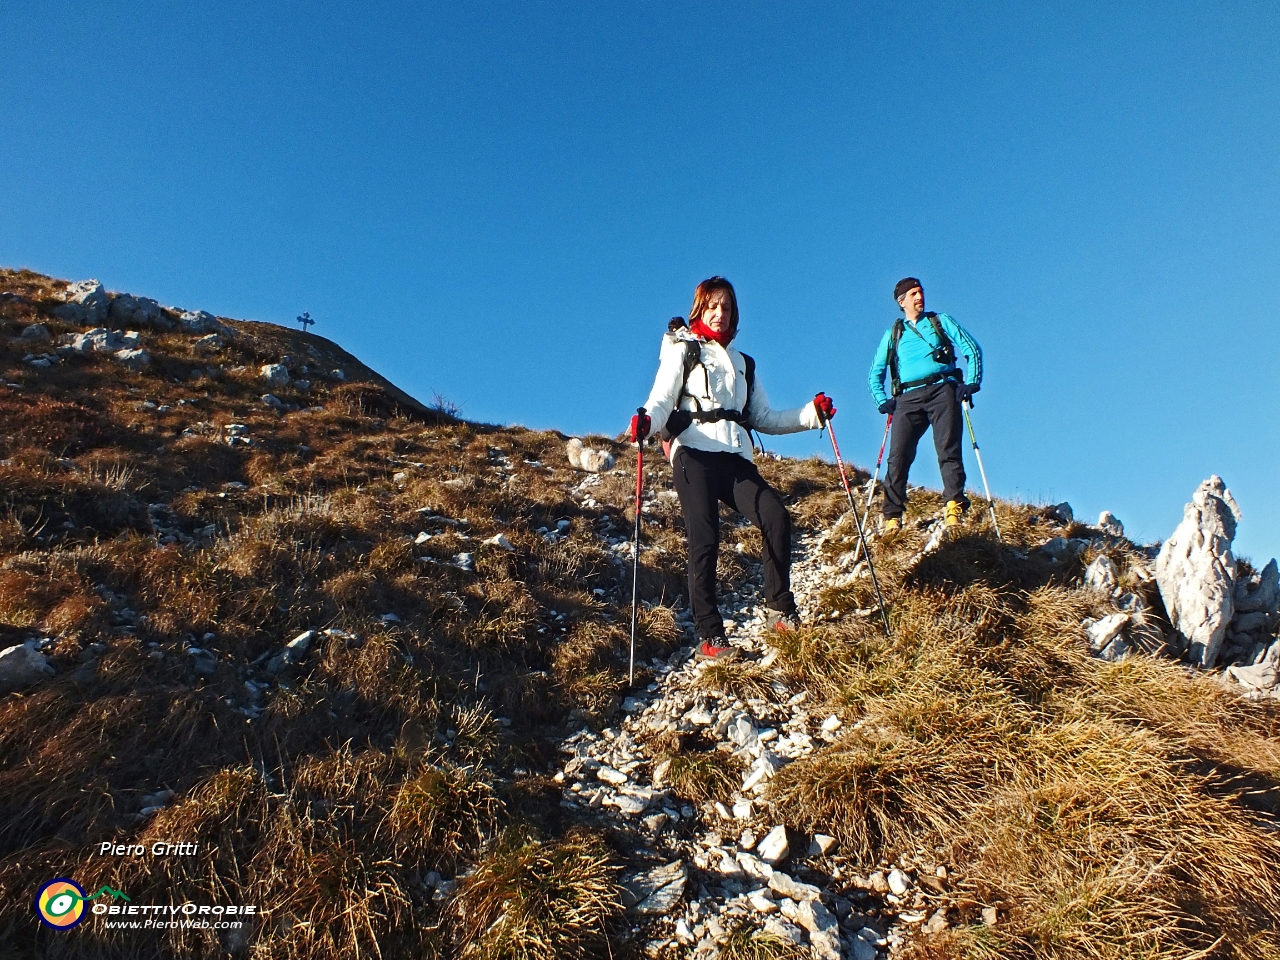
(915, 360)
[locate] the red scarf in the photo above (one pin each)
(700, 329)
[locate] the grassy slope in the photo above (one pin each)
(377, 759)
(1110, 810)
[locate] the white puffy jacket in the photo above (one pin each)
(723, 385)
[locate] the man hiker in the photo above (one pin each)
(705, 399)
(927, 389)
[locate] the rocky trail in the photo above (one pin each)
(703, 874)
(704, 871)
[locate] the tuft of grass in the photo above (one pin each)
(442, 815)
(743, 680)
(531, 899)
(704, 776)
(746, 941)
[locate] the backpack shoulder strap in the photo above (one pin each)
(937, 328)
(895, 382)
(751, 380)
(943, 339)
(692, 358)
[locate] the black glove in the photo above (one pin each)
(965, 392)
(677, 423)
(889, 406)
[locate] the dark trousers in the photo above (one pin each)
(935, 406)
(704, 481)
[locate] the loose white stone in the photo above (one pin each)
(753, 866)
(631, 806)
(86, 302)
(774, 848)
(831, 724)
(1102, 574)
(784, 930)
(741, 731)
(655, 891)
(1102, 632)
(21, 666)
(683, 933)
(785, 886)
(1261, 677)
(699, 717)
(898, 882)
(276, 374)
(821, 845)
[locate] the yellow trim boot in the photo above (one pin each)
(892, 525)
(953, 513)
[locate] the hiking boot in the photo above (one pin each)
(892, 525)
(953, 513)
(711, 650)
(781, 622)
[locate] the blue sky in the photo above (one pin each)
(504, 202)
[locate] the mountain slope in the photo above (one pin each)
(370, 662)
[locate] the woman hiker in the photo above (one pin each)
(704, 400)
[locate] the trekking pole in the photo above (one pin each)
(835, 447)
(991, 504)
(635, 547)
(871, 485)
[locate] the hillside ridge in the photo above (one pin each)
(364, 664)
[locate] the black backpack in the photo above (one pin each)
(944, 354)
(678, 421)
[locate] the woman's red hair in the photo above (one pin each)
(702, 297)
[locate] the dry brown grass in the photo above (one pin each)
(703, 776)
(530, 899)
(1108, 810)
(374, 758)
(748, 942)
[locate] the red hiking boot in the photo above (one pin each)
(710, 651)
(781, 622)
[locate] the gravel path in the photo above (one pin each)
(701, 870)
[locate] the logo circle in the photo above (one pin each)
(60, 903)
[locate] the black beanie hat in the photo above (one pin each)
(905, 284)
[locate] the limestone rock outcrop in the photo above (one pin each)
(1196, 571)
(86, 302)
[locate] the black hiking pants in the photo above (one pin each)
(933, 406)
(705, 480)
